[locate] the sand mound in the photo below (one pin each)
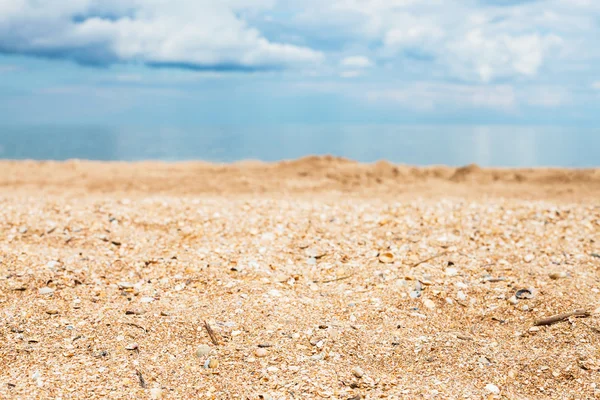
(306, 175)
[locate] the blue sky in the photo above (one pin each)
(300, 61)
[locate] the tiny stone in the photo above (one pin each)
(512, 300)
(358, 372)
(415, 294)
(529, 258)
(451, 272)
(260, 352)
(155, 393)
(213, 363)
(147, 299)
(52, 311)
(460, 295)
(203, 351)
(492, 388)
(132, 346)
(46, 290)
(534, 329)
(557, 275)
(429, 304)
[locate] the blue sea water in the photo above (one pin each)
(499, 146)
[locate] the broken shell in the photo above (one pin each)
(524, 294)
(386, 258)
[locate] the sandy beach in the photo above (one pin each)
(318, 278)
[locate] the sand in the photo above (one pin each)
(321, 278)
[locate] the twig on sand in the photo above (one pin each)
(141, 378)
(561, 317)
(429, 259)
(211, 333)
(136, 326)
(341, 278)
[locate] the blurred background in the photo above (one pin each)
(498, 83)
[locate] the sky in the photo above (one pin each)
(299, 61)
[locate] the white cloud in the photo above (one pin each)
(356, 62)
(192, 33)
(596, 85)
(468, 40)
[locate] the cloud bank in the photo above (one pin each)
(194, 34)
(469, 42)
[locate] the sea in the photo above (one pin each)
(487, 146)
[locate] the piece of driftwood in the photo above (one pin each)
(561, 317)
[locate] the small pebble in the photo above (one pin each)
(203, 351)
(451, 272)
(460, 295)
(46, 290)
(261, 352)
(415, 294)
(211, 363)
(132, 346)
(156, 393)
(557, 275)
(358, 372)
(429, 304)
(513, 300)
(52, 311)
(534, 329)
(529, 258)
(146, 299)
(492, 388)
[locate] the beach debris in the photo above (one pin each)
(386, 258)
(211, 333)
(45, 290)
(484, 361)
(132, 346)
(524, 294)
(557, 275)
(429, 304)
(429, 259)
(415, 294)
(261, 352)
(211, 363)
(156, 393)
(203, 351)
(358, 372)
(561, 317)
(140, 378)
(490, 387)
